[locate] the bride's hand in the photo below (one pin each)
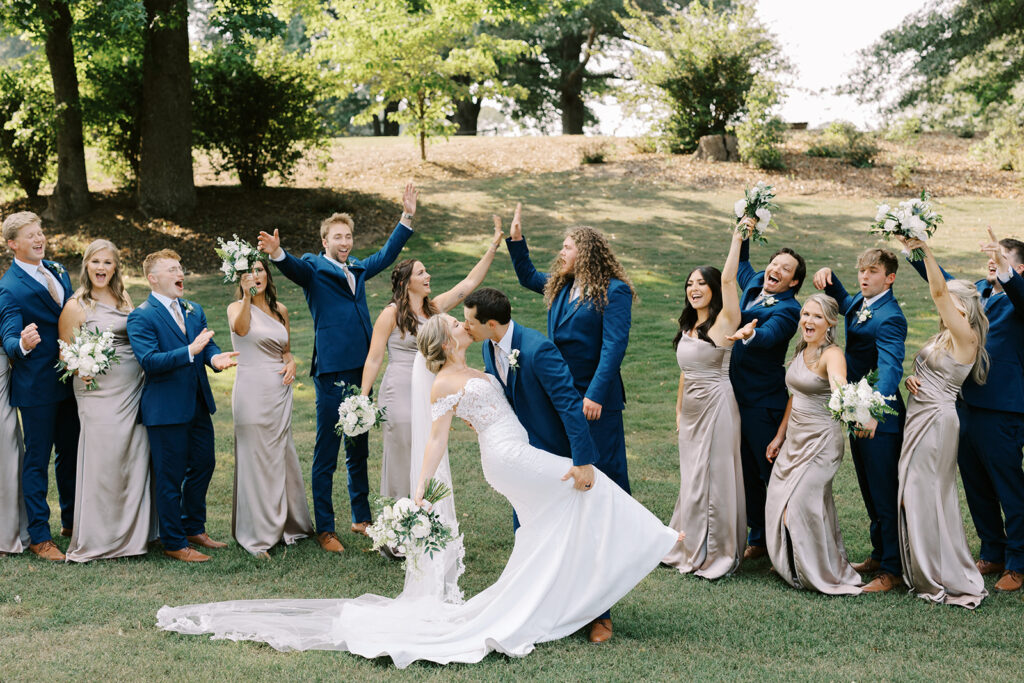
(418, 496)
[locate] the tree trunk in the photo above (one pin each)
(467, 113)
(574, 112)
(376, 127)
(70, 196)
(391, 128)
(166, 187)
(575, 50)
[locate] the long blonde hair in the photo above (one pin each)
(595, 267)
(116, 286)
(829, 309)
(431, 339)
(967, 299)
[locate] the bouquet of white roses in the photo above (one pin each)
(91, 353)
(757, 203)
(855, 404)
(358, 414)
(238, 257)
(409, 529)
(913, 219)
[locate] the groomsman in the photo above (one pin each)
(876, 332)
(770, 314)
(992, 418)
(32, 294)
(173, 345)
(334, 283)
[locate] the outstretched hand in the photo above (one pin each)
(224, 360)
(745, 332)
(515, 231)
(995, 251)
(582, 475)
(823, 278)
(409, 198)
(269, 244)
(499, 233)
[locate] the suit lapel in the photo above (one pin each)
(513, 375)
(37, 287)
(165, 315)
(567, 307)
(335, 271)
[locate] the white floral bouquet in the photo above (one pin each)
(91, 353)
(238, 256)
(358, 414)
(913, 219)
(757, 203)
(856, 403)
(411, 530)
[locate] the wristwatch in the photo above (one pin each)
(406, 215)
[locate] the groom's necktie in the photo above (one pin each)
(501, 360)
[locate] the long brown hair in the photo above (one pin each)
(270, 293)
(595, 267)
(116, 283)
(405, 318)
(688, 318)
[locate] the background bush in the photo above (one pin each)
(759, 135)
(28, 125)
(842, 140)
(112, 109)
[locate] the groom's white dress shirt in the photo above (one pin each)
(502, 350)
(170, 304)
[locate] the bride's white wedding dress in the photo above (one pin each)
(576, 554)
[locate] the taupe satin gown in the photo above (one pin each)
(937, 563)
(270, 498)
(801, 526)
(710, 508)
(113, 508)
(395, 389)
(13, 520)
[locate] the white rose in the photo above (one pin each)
(889, 226)
(421, 529)
(226, 268)
(882, 210)
(242, 264)
(740, 207)
(863, 414)
(763, 216)
(85, 349)
(864, 390)
(72, 363)
(835, 403)
(404, 506)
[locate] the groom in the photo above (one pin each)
(538, 384)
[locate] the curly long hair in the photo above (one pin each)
(688, 318)
(405, 318)
(270, 294)
(595, 267)
(116, 282)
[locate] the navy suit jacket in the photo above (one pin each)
(592, 341)
(543, 397)
(758, 368)
(1004, 389)
(172, 382)
(341, 320)
(878, 342)
(23, 300)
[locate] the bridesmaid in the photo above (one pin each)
(710, 509)
(114, 510)
(269, 503)
(801, 526)
(395, 330)
(937, 563)
(13, 520)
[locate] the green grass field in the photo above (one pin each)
(96, 621)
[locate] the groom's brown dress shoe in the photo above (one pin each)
(204, 541)
(329, 541)
(360, 528)
(48, 550)
(986, 567)
(600, 630)
(754, 551)
(187, 554)
(65, 532)
(1010, 581)
(867, 566)
(883, 583)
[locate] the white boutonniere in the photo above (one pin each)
(864, 315)
(769, 301)
(187, 305)
(513, 360)
(57, 268)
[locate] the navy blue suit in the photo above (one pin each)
(49, 416)
(877, 343)
(341, 322)
(176, 406)
(593, 343)
(758, 373)
(992, 428)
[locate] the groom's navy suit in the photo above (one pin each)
(49, 415)
(877, 343)
(992, 427)
(758, 373)
(342, 330)
(176, 406)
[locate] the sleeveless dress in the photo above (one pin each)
(397, 431)
(937, 563)
(801, 525)
(576, 554)
(114, 514)
(13, 520)
(269, 498)
(711, 508)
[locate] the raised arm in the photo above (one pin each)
(965, 341)
(829, 282)
(746, 271)
(778, 328)
(728, 320)
(1013, 285)
(447, 301)
(240, 312)
(382, 328)
(297, 270)
(399, 236)
(520, 253)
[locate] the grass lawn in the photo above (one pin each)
(95, 621)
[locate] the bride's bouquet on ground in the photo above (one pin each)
(856, 403)
(913, 219)
(409, 529)
(358, 414)
(237, 258)
(758, 204)
(91, 353)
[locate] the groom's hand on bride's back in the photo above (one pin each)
(582, 475)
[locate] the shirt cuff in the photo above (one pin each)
(407, 227)
(1004, 277)
(189, 355)
(279, 258)
(24, 351)
(752, 335)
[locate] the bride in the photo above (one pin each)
(575, 555)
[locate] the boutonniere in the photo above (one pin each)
(187, 305)
(513, 360)
(864, 315)
(57, 268)
(769, 301)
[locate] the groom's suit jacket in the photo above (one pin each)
(34, 377)
(543, 397)
(172, 382)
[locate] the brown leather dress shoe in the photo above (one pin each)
(600, 630)
(883, 583)
(329, 541)
(187, 554)
(867, 566)
(65, 532)
(754, 551)
(360, 528)
(1010, 581)
(204, 541)
(986, 567)
(48, 550)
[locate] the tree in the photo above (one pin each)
(27, 125)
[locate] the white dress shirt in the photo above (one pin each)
(34, 273)
(169, 304)
(502, 350)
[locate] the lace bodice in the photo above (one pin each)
(480, 402)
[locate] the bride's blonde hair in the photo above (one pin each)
(431, 339)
